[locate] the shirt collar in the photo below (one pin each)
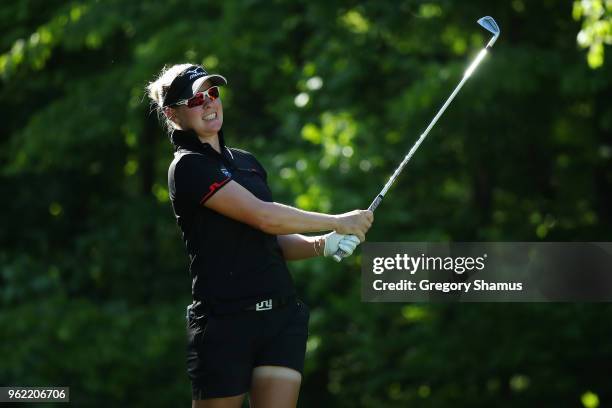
(188, 139)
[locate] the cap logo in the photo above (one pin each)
(195, 73)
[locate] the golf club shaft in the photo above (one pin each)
(340, 253)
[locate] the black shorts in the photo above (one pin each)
(223, 350)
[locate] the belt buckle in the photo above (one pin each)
(263, 305)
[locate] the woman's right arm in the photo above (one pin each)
(236, 202)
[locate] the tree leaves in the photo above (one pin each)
(329, 97)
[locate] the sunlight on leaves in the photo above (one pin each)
(589, 400)
(355, 22)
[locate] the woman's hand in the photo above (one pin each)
(335, 241)
(356, 222)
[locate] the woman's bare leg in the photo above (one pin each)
(227, 402)
(274, 387)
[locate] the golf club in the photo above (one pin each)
(490, 25)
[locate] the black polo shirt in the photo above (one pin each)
(229, 260)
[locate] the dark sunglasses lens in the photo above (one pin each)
(213, 93)
(197, 100)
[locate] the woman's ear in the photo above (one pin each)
(169, 113)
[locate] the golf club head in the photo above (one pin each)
(491, 26)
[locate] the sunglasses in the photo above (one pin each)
(198, 98)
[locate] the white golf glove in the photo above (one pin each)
(335, 241)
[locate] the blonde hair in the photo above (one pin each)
(157, 90)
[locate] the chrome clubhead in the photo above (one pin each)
(491, 26)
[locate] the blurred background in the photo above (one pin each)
(329, 95)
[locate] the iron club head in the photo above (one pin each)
(491, 26)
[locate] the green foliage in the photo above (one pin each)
(329, 96)
(596, 28)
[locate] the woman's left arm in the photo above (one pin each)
(298, 246)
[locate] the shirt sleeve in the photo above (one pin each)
(197, 178)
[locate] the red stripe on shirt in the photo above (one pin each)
(212, 188)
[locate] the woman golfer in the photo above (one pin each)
(246, 329)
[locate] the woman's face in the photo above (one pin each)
(205, 120)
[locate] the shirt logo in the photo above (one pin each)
(225, 172)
